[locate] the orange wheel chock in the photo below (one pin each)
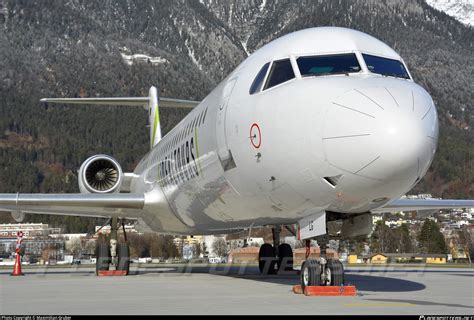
(326, 291)
(111, 273)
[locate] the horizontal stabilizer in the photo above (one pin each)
(127, 101)
(424, 204)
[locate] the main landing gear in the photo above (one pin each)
(276, 258)
(321, 271)
(112, 254)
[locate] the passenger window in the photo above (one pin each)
(280, 72)
(257, 83)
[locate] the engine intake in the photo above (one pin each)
(100, 174)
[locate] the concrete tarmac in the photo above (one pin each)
(233, 290)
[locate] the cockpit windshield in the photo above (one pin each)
(327, 65)
(385, 66)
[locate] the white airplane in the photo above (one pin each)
(321, 126)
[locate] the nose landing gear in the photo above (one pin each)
(321, 271)
(321, 276)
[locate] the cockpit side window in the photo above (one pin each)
(328, 65)
(258, 82)
(280, 72)
(385, 66)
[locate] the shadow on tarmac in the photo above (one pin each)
(462, 274)
(423, 303)
(381, 283)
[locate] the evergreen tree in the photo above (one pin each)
(403, 241)
(430, 239)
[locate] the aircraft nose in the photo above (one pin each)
(382, 132)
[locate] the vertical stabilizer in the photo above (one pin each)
(154, 117)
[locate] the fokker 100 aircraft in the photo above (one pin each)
(319, 129)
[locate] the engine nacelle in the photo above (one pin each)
(100, 174)
(360, 225)
(351, 227)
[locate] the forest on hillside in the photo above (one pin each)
(54, 49)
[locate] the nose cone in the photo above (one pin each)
(385, 132)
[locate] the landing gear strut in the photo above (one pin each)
(113, 254)
(279, 257)
(321, 271)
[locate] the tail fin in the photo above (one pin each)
(154, 117)
(150, 103)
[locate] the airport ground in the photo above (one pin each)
(234, 289)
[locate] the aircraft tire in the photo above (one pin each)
(102, 253)
(337, 272)
(310, 274)
(123, 257)
(267, 259)
(285, 257)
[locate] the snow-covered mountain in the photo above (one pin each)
(462, 10)
(119, 48)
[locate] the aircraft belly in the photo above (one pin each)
(211, 202)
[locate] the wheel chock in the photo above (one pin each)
(326, 291)
(297, 289)
(111, 273)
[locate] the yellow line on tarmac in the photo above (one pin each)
(379, 305)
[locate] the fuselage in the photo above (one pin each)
(321, 119)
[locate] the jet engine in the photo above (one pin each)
(100, 174)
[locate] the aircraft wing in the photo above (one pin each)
(127, 101)
(423, 205)
(87, 205)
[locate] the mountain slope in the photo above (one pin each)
(88, 48)
(461, 10)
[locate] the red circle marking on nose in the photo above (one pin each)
(255, 135)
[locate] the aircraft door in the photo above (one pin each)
(222, 149)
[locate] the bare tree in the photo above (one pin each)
(75, 247)
(466, 242)
(219, 246)
(89, 247)
(197, 250)
(155, 243)
(48, 253)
